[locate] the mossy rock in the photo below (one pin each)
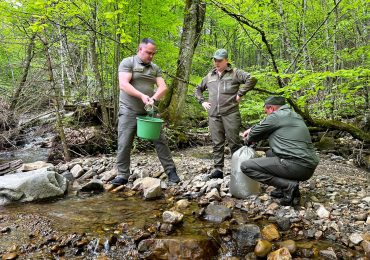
(325, 143)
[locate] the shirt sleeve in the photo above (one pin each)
(264, 128)
(247, 80)
(200, 89)
(157, 70)
(126, 65)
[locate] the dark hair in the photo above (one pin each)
(147, 41)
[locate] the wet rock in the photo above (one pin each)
(213, 195)
(30, 186)
(246, 237)
(93, 186)
(283, 223)
(337, 158)
(361, 216)
(318, 234)
(251, 256)
(68, 175)
(273, 206)
(112, 240)
(167, 228)
(366, 246)
(55, 248)
(172, 217)
(270, 232)
(263, 248)
(328, 254)
(307, 253)
(5, 230)
(322, 212)
(77, 171)
(289, 244)
(108, 175)
(10, 256)
(182, 204)
(355, 238)
(34, 166)
(213, 183)
(217, 213)
(88, 174)
(178, 248)
(280, 254)
(151, 187)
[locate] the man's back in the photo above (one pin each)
(288, 136)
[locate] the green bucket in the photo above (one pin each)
(149, 127)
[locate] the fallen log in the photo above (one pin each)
(10, 166)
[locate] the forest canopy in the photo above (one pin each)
(315, 53)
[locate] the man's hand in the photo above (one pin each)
(246, 133)
(147, 100)
(206, 105)
(238, 98)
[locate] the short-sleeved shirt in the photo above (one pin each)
(143, 79)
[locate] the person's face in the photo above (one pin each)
(146, 52)
(220, 65)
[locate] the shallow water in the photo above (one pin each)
(98, 216)
(27, 155)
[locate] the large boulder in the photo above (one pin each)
(32, 185)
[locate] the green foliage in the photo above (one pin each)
(312, 80)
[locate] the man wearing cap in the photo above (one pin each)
(137, 78)
(223, 85)
(291, 157)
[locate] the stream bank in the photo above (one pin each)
(332, 220)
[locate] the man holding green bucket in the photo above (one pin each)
(137, 77)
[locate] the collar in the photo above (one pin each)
(284, 107)
(138, 60)
(228, 69)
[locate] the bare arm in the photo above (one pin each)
(161, 90)
(125, 85)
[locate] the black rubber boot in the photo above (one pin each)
(118, 181)
(289, 194)
(217, 174)
(172, 176)
(278, 193)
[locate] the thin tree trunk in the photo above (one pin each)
(95, 67)
(332, 89)
(117, 60)
(57, 99)
(193, 22)
(285, 39)
(28, 60)
(62, 65)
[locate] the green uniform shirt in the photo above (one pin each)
(288, 136)
(143, 79)
(223, 90)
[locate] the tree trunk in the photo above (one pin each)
(285, 35)
(57, 99)
(193, 22)
(28, 60)
(95, 67)
(117, 60)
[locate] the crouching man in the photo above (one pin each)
(291, 157)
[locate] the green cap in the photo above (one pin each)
(275, 100)
(220, 54)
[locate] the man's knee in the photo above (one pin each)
(248, 167)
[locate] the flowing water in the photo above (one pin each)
(98, 216)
